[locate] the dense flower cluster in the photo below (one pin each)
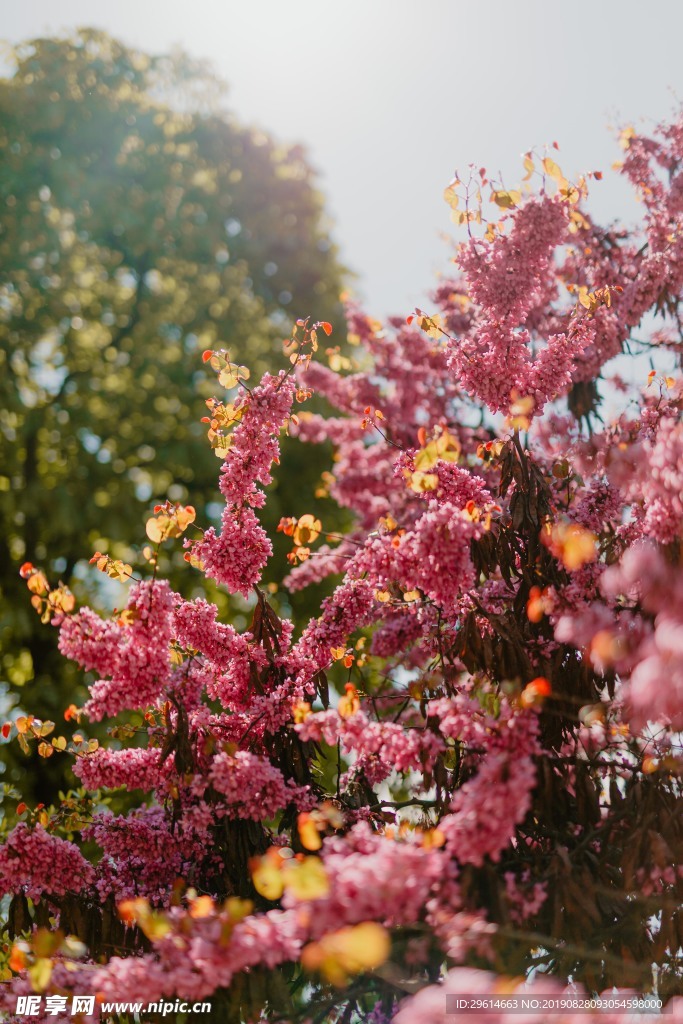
(471, 757)
(238, 554)
(134, 653)
(36, 863)
(251, 785)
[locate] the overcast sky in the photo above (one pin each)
(391, 96)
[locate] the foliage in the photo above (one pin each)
(492, 787)
(141, 224)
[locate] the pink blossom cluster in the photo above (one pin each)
(644, 639)
(507, 276)
(134, 768)
(142, 855)
(135, 655)
(404, 876)
(237, 555)
(382, 747)
(37, 863)
(659, 482)
(252, 786)
(194, 959)
(486, 809)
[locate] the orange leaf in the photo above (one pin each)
(349, 704)
(203, 906)
(17, 961)
(308, 833)
(307, 530)
(535, 692)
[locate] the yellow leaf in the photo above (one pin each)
(551, 168)
(572, 544)
(448, 447)
(202, 906)
(176, 656)
(228, 378)
(306, 879)
(37, 583)
(40, 973)
(17, 960)
(506, 198)
(433, 839)
(308, 832)
(307, 530)
(529, 167)
(349, 704)
(156, 527)
(185, 516)
(522, 406)
(267, 877)
(585, 297)
(352, 950)
(570, 194)
(427, 457)
(155, 925)
(221, 450)
(625, 137)
(420, 482)
(45, 943)
(431, 325)
(411, 595)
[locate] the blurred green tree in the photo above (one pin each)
(140, 224)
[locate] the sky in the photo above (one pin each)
(390, 97)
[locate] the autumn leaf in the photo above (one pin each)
(507, 199)
(306, 879)
(572, 544)
(340, 955)
(308, 832)
(420, 482)
(18, 960)
(202, 906)
(551, 168)
(535, 692)
(37, 583)
(307, 530)
(266, 876)
(349, 704)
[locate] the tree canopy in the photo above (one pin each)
(141, 224)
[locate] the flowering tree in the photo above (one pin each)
(491, 787)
